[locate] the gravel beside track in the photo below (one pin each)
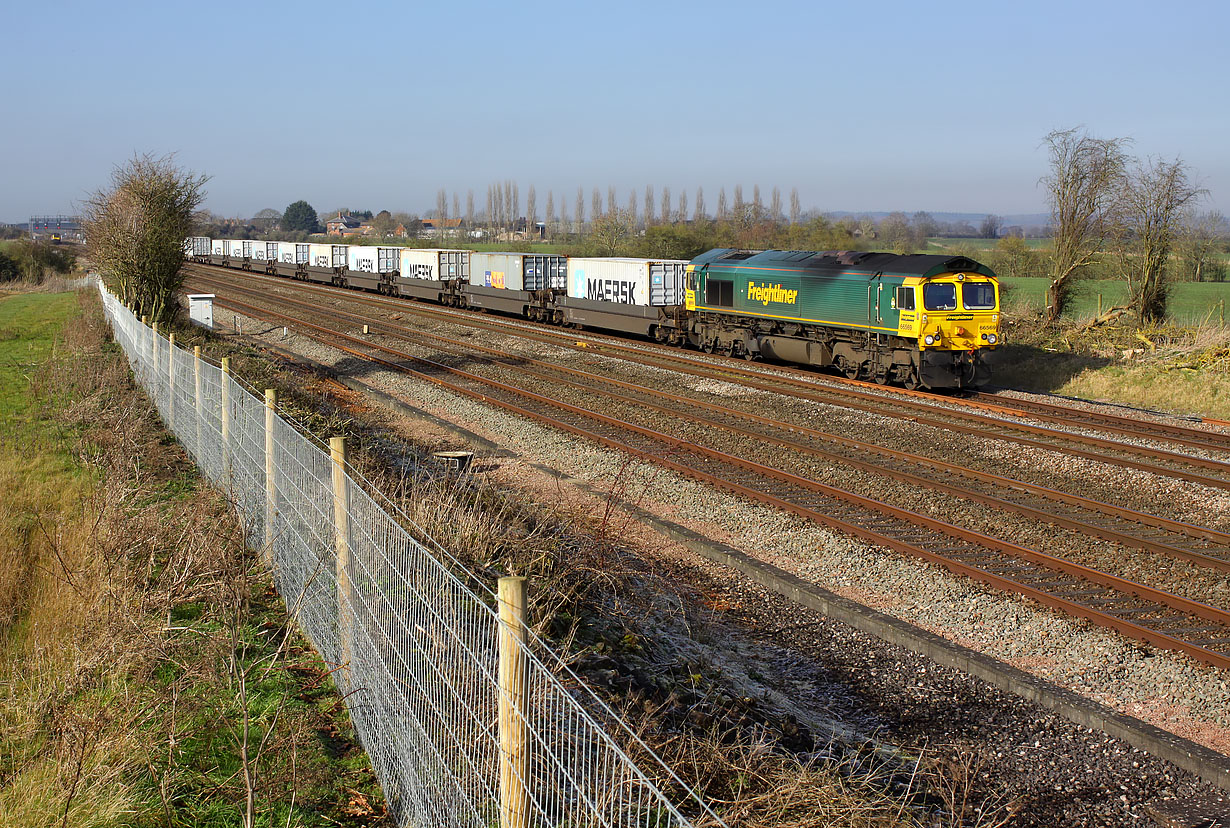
(1069, 775)
(1168, 690)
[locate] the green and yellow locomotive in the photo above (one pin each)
(917, 320)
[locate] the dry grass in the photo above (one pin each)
(1175, 368)
(132, 614)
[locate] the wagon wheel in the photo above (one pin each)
(881, 377)
(911, 380)
(733, 351)
(707, 346)
(850, 369)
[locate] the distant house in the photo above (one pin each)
(343, 225)
(435, 226)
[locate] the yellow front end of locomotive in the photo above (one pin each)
(951, 312)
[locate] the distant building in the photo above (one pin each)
(344, 225)
(436, 227)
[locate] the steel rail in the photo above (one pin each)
(1108, 601)
(1219, 541)
(1114, 423)
(845, 397)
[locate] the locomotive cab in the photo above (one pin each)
(954, 318)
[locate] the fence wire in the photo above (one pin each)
(414, 649)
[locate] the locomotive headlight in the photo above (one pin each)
(924, 319)
(992, 339)
(929, 339)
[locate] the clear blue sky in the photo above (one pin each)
(862, 106)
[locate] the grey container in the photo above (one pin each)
(519, 271)
(667, 282)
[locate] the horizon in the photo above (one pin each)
(302, 103)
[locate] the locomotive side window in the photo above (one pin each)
(720, 293)
(940, 296)
(978, 296)
(905, 298)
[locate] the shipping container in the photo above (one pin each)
(238, 250)
(217, 247)
(293, 253)
(364, 259)
(198, 247)
(327, 256)
(264, 252)
(626, 281)
(519, 271)
(434, 264)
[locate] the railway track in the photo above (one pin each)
(917, 407)
(1161, 618)
(1154, 533)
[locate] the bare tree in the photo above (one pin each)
(924, 225)
(722, 211)
(649, 205)
(1197, 247)
(699, 215)
(531, 211)
(508, 205)
(989, 229)
(681, 213)
(136, 230)
(738, 199)
(563, 215)
(595, 204)
(610, 199)
(775, 205)
(632, 205)
(550, 219)
(609, 231)
(666, 204)
(1150, 203)
(1085, 173)
(516, 206)
(756, 202)
(490, 216)
(580, 209)
(469, 208)
(796, 209)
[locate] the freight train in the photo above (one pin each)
(915, 320)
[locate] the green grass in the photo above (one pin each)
(1190, 302)
(85, 653)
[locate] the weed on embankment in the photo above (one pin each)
(148, 673)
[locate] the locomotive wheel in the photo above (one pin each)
(707, 346)
(911, 382)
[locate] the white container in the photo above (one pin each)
(294, 253)
(238, 249)
(264, 251)
(197, 246)
(364, 259)
(327, 256)
(435, 264)
(625, 281)
(218, 247)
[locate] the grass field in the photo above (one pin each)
(1190, 302)
(129, 615)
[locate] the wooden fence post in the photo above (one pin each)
(171, 383)
(271, 489)
(200, 413)
(341, 521)
(514, 758)
(226, 421)
(153, 348)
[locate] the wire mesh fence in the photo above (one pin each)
(460, 730)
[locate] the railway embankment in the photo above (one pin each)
(825, 675)
(148, 674)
